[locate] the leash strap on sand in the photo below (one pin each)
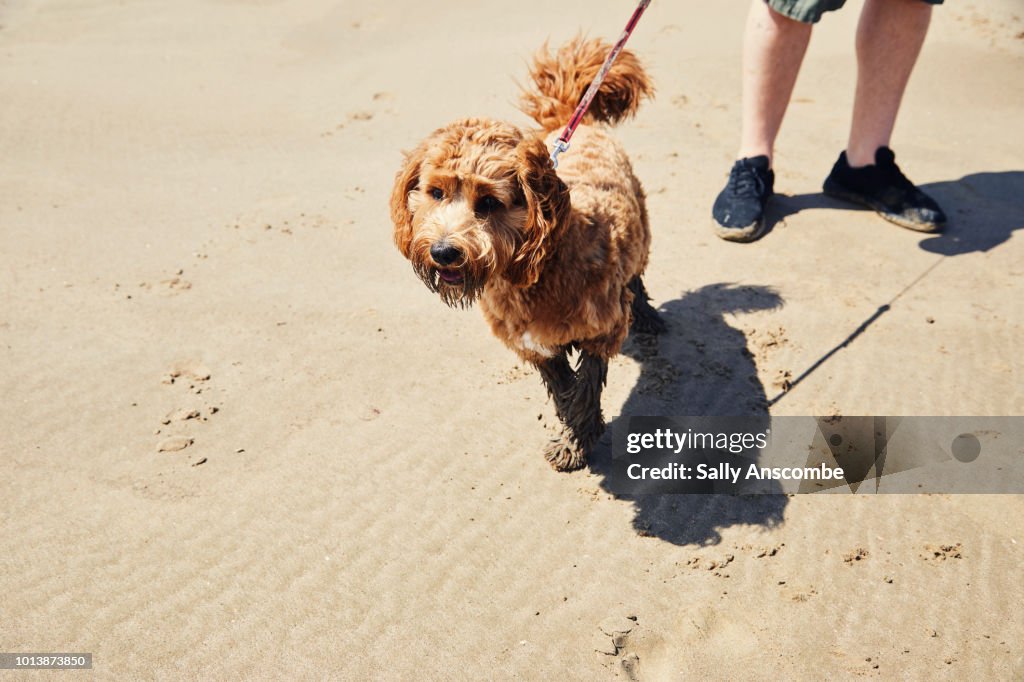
(562, 143)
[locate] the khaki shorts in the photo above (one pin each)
(810, 11)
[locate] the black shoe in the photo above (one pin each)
(739, 208)
(885, 189)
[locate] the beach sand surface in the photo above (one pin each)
(240, 440)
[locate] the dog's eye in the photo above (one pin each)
(487, 205)
(438, 194)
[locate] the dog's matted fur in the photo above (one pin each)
(554, 259)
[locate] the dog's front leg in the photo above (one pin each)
(577, 397)
(559, 379)
(584, 412)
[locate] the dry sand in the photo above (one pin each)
(241, 440)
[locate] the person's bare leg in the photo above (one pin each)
(773, 49)
(889, 38)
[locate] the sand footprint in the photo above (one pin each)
(613, 638)
(380, 104)
(194, 375)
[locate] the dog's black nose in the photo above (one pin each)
(444, 254)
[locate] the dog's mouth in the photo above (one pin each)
(456, 286)
(451, 277)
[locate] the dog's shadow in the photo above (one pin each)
(700, 366)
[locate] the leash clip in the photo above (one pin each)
(560, 146)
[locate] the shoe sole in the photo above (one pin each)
(837, 191)
(742, 235)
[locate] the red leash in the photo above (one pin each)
(562, 143)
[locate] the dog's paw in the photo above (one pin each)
(565, 454)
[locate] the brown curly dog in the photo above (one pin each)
(554, 259)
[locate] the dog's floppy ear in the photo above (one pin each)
(547, 209)
(406, 180)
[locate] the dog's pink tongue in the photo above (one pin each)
(450, 277)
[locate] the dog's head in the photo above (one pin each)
(477, 200)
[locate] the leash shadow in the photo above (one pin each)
(700, 366)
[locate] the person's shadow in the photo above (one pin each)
(983, 210)
(700, 366)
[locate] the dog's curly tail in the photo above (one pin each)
(561, 79)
